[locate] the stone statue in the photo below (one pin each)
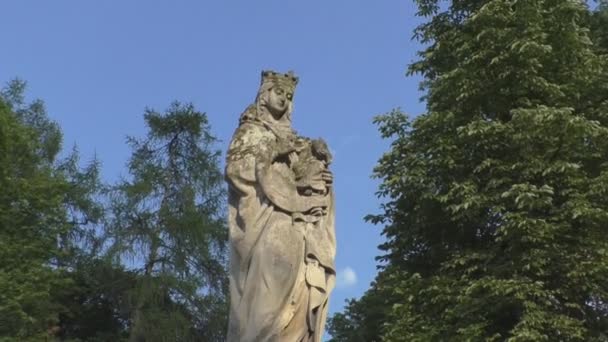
(281, 219)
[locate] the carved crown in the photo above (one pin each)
(287, 81)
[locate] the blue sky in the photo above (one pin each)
(98, 64)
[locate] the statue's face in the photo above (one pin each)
(278, 102)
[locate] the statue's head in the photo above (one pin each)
(276, 94)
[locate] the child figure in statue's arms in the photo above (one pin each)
(309, 160)
(312, 167)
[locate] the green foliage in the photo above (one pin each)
(50, 214)
(496, 203)
(54, 230)
(167, 221)
(363, 318)
(85, 213)
(34, 116)
(32, 215)
(599, 27)
(95, 306)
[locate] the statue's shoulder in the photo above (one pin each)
(249, 139)
(250, 133)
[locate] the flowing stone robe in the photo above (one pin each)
(282, 243)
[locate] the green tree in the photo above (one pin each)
(82, 194)
(496, 208)
(34, 116)
(168, 225)
(50, 212)
(363, 319)
(96, 305)
(32, 216)
(599, 26)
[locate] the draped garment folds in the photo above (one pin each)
(282, 243)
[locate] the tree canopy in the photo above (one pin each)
(139, 260)
(168, 219)
(495, 198)
(32, 216)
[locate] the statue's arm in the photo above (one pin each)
(240, 163)
(251, 155)
(281, 190)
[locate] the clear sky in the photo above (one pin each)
(98, 64)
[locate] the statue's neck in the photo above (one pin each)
(282, 124)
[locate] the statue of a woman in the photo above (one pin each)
(281, 219)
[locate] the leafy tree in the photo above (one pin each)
(496, 202)
(168, 217)
(34, 116)
(363, 319)
(168, 226)
(599, 26)
(32, 216)
(82, 194)
(49, 210)
(96, 305)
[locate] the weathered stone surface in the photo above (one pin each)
(281, 219)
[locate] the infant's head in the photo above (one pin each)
(321, 151)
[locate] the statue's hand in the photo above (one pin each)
(324, 176)
(293, 158)
(318, 211)
(285, 147)
(283, 151)
(317, 183)
(328, 177)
